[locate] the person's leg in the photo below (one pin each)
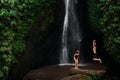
(97, 59)
(100, 60)
(76, 64)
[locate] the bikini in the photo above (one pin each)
(76, 56)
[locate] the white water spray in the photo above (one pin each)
(64, 56)
(71, 35)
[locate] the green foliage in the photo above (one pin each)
(73, 73)
(14, 25)
(93, 14)
(94, 76)
(108, 20)
(86, 75)
(90, 76)
(16, 18)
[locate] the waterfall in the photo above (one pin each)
(71, 35)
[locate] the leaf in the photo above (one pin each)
(20, 7)
(13, 13)
(12, 2)
(3, 12)
(1, 74)
(3, 49)
(13, 23)
(116, 19)
(2, 1)
(6, 68)
(1, 24)
(113, 25)
(4, 56)
(5, 43)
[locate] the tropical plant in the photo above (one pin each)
(109, 11)
(16, 19)
(104, 16)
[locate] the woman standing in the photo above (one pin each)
(76, 57)
(95, 56)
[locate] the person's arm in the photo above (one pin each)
(74, 57)
(78, 55)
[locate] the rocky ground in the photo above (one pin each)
(56, 72)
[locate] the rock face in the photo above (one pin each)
(41, 47)
(44, 50)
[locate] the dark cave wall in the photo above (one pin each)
(88, 34)
(81, 8)
(42, 48)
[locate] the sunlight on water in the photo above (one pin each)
(71, 64)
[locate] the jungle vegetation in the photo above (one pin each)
(18, 16)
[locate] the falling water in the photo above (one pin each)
(71, 35)
(64, 56)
